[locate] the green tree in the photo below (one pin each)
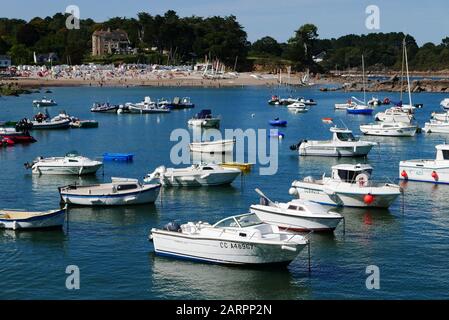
(20, 54)
(267, 46)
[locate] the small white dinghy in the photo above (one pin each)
(196, 175)
(121, 191)
(236, 240)
(217, 146)
(296, 215)
(16, 220)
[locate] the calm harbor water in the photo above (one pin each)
(110, 245)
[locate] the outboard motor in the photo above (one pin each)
(23, 125)
(172, 226)
(296, 146)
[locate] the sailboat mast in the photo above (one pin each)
(363, 79)
(408, 77)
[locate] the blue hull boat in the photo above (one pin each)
(278, 123)
(118, 156)
(359, 111)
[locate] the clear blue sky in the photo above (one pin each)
(426, 20)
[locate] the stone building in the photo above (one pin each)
(110, 42)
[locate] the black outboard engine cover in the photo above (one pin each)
(23, 125)
(296, 146)
(172, 226)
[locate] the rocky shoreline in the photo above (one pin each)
(393, 84)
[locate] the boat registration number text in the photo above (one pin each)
(233, 245)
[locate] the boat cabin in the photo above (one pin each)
(204, 114)
(442, 152)
(352, 173)
(342, 134)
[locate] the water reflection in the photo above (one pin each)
(51, 183)
(188, 280)
(118, 216)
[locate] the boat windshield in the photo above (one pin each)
(445, 154)
(248, 220)
(243, 221)
(346, 136)
(350, 176)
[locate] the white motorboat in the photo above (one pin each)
(296, 215)
(344, 106)
(205, 119)
(146, 106)
(349, 186)
(43, 122)
(297, 107)
(440, 116)
(307, 102)
(163, 102)
(394, 114)
(120, 191)
(391, 129)
(343, 144)
(435, 126)
(194, 176)
(44, 102)
(217, 146)
(236, 240)
(287, 101)
(104, 107)
(71, 164)
(427, 170)
(374, 101)
(445, 103)
(16, 220)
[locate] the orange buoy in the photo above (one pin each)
(368, 198)
(404, 175)
(435, 175)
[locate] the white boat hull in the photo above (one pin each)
(352, 198)
(204, 122)
(381, 116)
(342, 106)
(295, 222)
(198, 180)
(61, 124)
(65, 170)
(135, 197)
(436, 127)
(52, 220)
(388, 132)
(224, 147)
(221, 251)
(331, 151)
(423, 170)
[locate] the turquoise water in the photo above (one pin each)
(110, 245)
